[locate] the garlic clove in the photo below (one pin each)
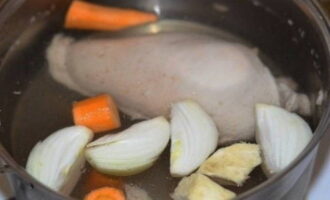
(134, 192)
(57, 161)
(233, 164)
(194, 137)
(200, 187)
(130, 151)
(282, 136)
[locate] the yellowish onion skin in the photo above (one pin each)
(200, 187)
(233, 164)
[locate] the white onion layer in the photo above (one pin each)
(57, 161)
(194, 137)
(282, 136)
(130, 151)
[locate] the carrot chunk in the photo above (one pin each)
(97, 113)
(84, 15)
(97, 180)
(106, 193)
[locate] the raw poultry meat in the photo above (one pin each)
(146, 74)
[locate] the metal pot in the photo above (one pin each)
(294, 34)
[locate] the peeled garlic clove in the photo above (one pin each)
(232, 164)
(282, 136)
(57, 161)
(130, 151)
(200, 187)
(134, 192)
(194, 137)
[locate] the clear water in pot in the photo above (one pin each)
(44, 106)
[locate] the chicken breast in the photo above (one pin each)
(145, 74)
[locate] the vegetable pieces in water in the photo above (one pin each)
(131, 151)
(282, 136)
(97, 113)
(57, 161)
(200, 187)
(232, 164)
(84, 15)
(194, 137)
(106, 193)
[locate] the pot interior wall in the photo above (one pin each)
(32, 105)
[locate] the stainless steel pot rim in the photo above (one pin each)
(314, 11)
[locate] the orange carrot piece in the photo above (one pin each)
(106, 193)
(97, 113)
(84, 15)
(97, 180)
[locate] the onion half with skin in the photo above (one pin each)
(57, 161)
(130, 151)
(282, 136)
(194, 137)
